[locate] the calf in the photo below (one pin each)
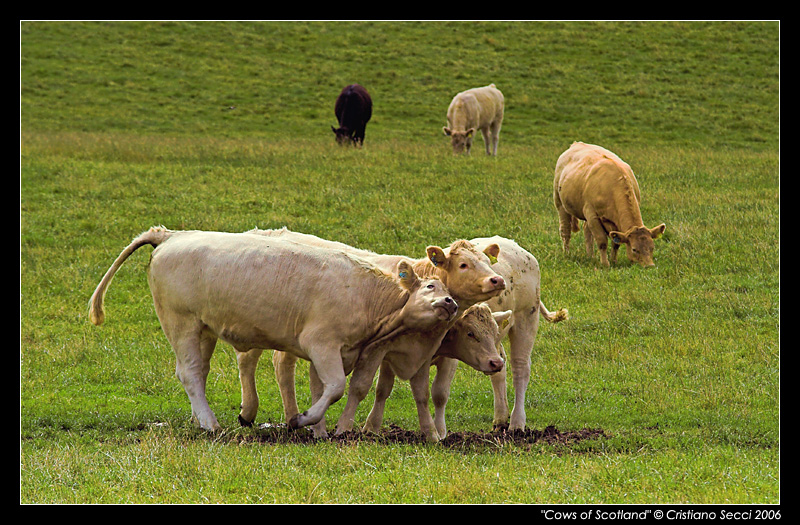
(477, 108)
(255, 293)
(594, 185)
(353, 110)
(473, 340)
(522, 295)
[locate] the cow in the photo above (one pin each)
(594, 185)
(255, 292)
(476, 334)
(522, 295)
(353, 110)
(467, 270)
(475, 109)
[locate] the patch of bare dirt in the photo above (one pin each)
(277, 434)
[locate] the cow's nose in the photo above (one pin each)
(498, 282)
(495, 365)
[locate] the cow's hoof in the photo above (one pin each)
(244, 422)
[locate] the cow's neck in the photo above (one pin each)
(628, 215)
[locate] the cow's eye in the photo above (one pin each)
(463, 266)
(430, 287)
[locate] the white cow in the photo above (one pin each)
(476, 333)
(329, 307)
(465, 271)
(477, 108)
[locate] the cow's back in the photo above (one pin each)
(353, 106)
(590, 175)
(476, 107)
(519, 268)
(256, 290)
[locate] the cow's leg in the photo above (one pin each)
(564, 227)
(332, 380)
(521, 337)
(421, 392)
(285, 364)
(193, 345)
(495, 132)
(600, 237)
(500, 389)
(487, 139)
(360, 383)
(319, 428)
(440, 392)
(614, 250)
(382, 392)
(248, 361)
(589, 242)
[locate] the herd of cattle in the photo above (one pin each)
(352, 311)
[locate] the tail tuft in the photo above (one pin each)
(561, 315)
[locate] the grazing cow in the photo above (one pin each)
(353, 110)
(255, 292)
(594, 185)
(478, 108)
(522, 296)
(467, 270)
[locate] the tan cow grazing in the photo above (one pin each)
(594, 185)
(477, 108)
(467, 270)
(329, 307)
(522, 296)
(473, 340)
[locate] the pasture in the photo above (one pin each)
(664, 385)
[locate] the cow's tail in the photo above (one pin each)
(154, 236)
(553, 317)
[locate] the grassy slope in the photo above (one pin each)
(226, 126)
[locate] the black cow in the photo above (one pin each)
(353, 110)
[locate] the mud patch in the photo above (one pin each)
(278, 434)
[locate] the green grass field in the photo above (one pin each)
(226, 126)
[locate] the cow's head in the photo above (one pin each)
(468, 272)
(343, 135)
(460, 140)
(639, 243)
(475, 338)
(429, 300)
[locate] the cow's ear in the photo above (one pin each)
(405, 273)
(492, 251)
(470, 131)
(656, 232)
(446, 131)
(618, 237)
(437, 257)
(501, 318)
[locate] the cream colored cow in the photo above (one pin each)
(594, 185)
(330, 307)
(475, 109)
(522, 295)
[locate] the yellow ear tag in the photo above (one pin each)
(504, 322)
(492, 259)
